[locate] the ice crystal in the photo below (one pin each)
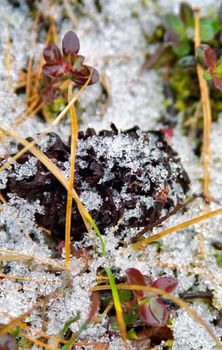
(189, 334)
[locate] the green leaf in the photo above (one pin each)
(175, 23)
(186, 15)
(219, 71)
(130, 317)
(124, 295)
(132, 334)
(182, 49)
(207, 75)
(209, 27)
(218, 258)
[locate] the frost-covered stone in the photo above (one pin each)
(129, 178)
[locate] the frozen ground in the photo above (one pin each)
(113, 41)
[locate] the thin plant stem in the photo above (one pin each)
(207, 116)
(117, 304)
(74, 140)
(144, 242)
(207, 121)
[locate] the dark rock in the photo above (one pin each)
(132, 175)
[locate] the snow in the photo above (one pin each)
(115, 44)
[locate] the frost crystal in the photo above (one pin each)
(189, 334)
(131, 177)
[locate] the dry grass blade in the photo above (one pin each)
(176, 300)
(205, 100)
(55, 122)
(207, 121)
(2, 198)
(28, 112)
(23, 278)
(144, 242)
(165, 217)
(41, 333)
(74, 140)
(39, 342)
(22, 256)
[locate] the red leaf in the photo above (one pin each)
(154, 312)
(52, 54)
(168, 284)
(134, 276)
(218, 83)
(81, 76)
(209, 56)
(53, 70)
(70, 44)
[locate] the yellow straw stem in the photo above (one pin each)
(207, 116)
(176, 300)
(23, 256)
(144, 242)
(74, 140)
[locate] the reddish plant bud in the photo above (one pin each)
(70, 44)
